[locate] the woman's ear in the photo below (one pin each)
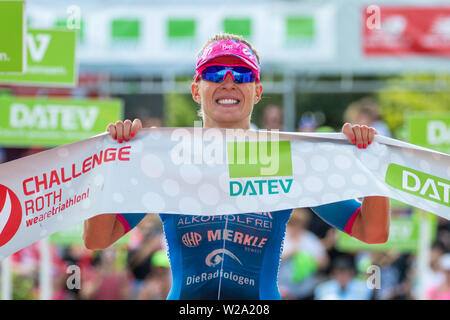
(258, 93)
(195, 92)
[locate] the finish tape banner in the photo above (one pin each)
(200, 171)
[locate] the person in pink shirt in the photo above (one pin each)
(442, 291)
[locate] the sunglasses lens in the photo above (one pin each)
(217, 74)
(243, 75)
(213, 73)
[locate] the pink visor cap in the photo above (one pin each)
(227, 47)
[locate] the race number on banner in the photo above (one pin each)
(209, 172)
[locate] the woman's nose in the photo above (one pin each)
(228, 78)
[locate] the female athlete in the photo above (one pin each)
(234, 256)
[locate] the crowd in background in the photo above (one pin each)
(312, 267)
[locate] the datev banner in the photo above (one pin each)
(430, 130)
(209, 172)
(26, 122)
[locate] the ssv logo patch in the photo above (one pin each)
(216, 257)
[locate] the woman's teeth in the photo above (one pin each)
(227, 101)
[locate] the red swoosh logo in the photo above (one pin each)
(10, 214)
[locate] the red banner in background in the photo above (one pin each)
(406, 31)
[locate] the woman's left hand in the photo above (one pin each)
(360, 135)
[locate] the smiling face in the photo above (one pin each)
(226, 104)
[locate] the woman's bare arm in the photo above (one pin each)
(103, 230)
(372, 223)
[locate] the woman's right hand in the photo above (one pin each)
(103, 230)
(125, 130)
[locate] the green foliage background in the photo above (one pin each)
(397, 103)
(180, 110)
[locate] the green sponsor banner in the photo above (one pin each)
(125, 29)
(12, 36)
(259, 159)
(181, 28)
(50, 59)
(46, 122)
(403, 235)
(74, 236)
(300, 31)
(430, 131)
(418, 183)
(300, 27)
(239, 26)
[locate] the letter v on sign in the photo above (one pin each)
(37, 51)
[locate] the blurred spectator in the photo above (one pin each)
(303, 255)
(394, 271)
(307, 123)
(152, 122)
(319, 227)
(73, 255)
(26, 259)
(147, 225)
(443, 233)
(158, 282)
(328, 237)
(105, 282)
(273, 118)
(2, 155)
(442, 291)
(343, 284)
(366, 112)
(435, 274)
(60, 290)
(139, 259)
(25, 286)
(32, 150)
